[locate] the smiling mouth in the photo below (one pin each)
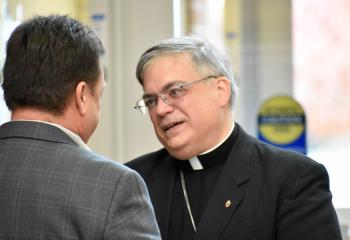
(174, 124)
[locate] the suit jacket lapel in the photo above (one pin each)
(228, 192)
(161, 187)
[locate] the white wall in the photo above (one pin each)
(135, 25)
(266, 57)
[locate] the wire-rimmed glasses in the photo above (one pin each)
(168, 95)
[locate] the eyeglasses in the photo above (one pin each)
(168, 95)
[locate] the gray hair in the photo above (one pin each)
(206, 58)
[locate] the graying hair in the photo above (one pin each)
(206, 58)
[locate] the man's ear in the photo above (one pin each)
(224, 90)
(81, 91)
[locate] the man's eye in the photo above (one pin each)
(150, 102)
(175, 91)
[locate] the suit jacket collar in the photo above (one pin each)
(229, 190)
(34, 130)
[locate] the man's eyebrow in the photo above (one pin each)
(167, 86)
(147, 95)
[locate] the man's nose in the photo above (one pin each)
(163, 106)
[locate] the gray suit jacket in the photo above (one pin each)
(50, 188)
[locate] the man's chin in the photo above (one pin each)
(180, 153)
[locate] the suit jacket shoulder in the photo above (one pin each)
(60, 190)
(145, 164)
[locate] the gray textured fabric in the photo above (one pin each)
(52, 189)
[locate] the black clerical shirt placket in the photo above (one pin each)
(199, 185)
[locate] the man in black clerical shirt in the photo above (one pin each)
(212, 180)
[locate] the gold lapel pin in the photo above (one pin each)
(227, 203)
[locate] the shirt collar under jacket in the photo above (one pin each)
(75, 137)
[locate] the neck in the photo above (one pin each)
(226, 126)
(228, 133)
(34, 114)
(211, 140)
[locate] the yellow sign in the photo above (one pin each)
(281, 120)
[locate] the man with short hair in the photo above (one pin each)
(212, 180)
(52, 186)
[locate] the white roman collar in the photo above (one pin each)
(195, 163)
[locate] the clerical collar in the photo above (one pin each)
(214, 156)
